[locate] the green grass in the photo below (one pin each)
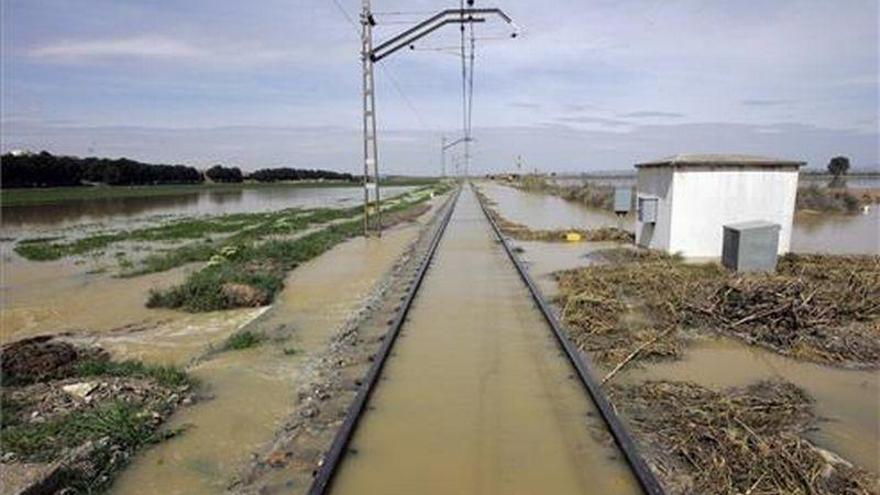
(242, 340)
(241, 226)
(168, 376)
(123, 423)
(263, 264)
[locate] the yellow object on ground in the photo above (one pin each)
(573, 237)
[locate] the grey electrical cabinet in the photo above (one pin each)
(622, 200)
(647, 209)
(750, 246)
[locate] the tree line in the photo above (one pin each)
(46, 170)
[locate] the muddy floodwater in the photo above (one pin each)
(477, 397)
(545, 211)
(253, 390)
(812, 233)
(845, 400)
(837, 234)
(20, 220)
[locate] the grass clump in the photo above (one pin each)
(165, 375)
(242, 340)
(122, 423)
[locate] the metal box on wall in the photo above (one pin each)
(750, 246)
(647, 209)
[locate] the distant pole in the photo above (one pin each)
(371, 146)
(443, 155)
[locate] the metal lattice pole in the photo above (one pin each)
(371, 146)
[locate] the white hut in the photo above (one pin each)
(684, 201)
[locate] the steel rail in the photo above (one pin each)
(621, 436)
(334, 456)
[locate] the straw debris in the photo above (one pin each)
(820, 308)
(736, 441)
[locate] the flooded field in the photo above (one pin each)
(837, 234)
(545, 211)
(476, 397)
(224, 432)
(845, 400)
(812, 233)
(24, 220)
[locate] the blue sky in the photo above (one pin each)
(589, 85)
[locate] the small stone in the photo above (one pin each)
(80, 390)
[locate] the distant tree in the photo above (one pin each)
(295, 174)
(219, 173)
(838, 167)
(46, 170)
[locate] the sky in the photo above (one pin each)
(586, 86)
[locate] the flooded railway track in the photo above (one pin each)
(476, 395)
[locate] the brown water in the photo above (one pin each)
(254, 389)
(822, 233)
(20, 220)
(837, 234)
(477, 397)
(58, 296)
(847, 400)
(545, 211)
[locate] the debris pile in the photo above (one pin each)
(738, 440)
(75, 417)
(820, 308)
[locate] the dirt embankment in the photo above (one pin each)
(72, 417)
(524, 233)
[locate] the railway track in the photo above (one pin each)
(324, 479)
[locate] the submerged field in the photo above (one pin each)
(119, 370)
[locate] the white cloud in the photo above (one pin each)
(139, 46)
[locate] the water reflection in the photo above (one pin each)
(837, 234)
(19, 219)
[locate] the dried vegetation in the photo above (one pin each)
(735, 441)
(820, 308)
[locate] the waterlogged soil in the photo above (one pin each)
(62, 296)
(476, 397)
(254, 390)
(847, 402)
